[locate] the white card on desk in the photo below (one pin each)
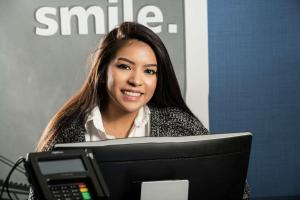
(165, 190)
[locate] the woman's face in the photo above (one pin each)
(131, 77)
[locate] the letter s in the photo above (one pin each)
(51, 24)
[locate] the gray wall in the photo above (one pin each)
(39, 73)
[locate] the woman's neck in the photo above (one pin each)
(117, 122)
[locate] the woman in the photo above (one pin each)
(131, 91)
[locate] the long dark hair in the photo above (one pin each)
(93, 91)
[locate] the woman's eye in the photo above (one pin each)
(123, 66)
(150, 71)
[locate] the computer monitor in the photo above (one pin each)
(215, 165)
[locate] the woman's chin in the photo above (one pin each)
(131, 108)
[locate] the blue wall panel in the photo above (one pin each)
(254, 59)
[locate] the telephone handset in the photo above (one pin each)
(65, 175)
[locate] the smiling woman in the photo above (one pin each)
(131, 91)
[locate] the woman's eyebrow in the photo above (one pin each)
(130, 61)
(126, 60)
(150, 65)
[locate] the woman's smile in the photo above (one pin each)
(130, 95)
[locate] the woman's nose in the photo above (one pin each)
(135, 79)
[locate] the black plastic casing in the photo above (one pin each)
(91, 176)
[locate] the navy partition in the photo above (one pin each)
(254, 59)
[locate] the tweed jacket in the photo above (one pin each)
(164, 122)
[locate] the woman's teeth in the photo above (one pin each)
(134, 94)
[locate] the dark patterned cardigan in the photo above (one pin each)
(165, 122)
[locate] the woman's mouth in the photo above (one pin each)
(132, 93)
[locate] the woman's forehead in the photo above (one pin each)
(136, 50)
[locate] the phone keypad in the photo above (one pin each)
(74, 191)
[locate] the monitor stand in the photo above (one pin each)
(165, 190)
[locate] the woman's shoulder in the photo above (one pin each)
(70, 131)
(73, 131)
(173, 121)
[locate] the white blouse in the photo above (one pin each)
(95, 129)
